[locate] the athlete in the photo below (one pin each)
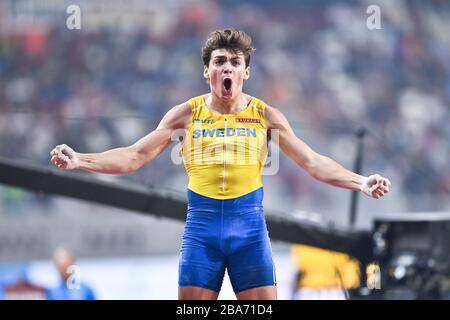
(224, 151)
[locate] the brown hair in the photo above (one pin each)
(234, 40)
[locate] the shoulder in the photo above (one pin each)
(177, 117)
(271, 111)
(181, 109)
(197, 101)
(274, 117)
(190, 105)
(257, 103)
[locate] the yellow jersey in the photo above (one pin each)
(224, 154)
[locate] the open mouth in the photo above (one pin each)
(227, 84)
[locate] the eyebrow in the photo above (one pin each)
(232, 58)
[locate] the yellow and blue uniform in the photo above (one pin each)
(224, 155)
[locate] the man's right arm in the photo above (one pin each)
(126, 159)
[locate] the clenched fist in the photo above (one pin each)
(375, 186)
(64, 157)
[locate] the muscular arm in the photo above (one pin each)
(126, 159)
(318, 166)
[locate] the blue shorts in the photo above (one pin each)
(226, 234)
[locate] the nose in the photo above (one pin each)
(227, 68)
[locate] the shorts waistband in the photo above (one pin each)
(254, 198)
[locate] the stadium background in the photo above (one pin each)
(109, 83)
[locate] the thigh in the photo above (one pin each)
(201, 265)
(252, 266)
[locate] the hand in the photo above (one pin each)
(375, 186)
(64, 157)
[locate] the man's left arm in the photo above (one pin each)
(318, 166)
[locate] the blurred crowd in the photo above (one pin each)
(104, 86)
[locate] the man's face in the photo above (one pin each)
(226, 73)
(63, 261)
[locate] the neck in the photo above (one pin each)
(227, 106)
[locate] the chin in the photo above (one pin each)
(227, 96)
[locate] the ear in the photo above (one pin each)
(247, 73)
(206, 72)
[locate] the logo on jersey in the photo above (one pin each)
(248, 120)
(222, 132)
(207, 121)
